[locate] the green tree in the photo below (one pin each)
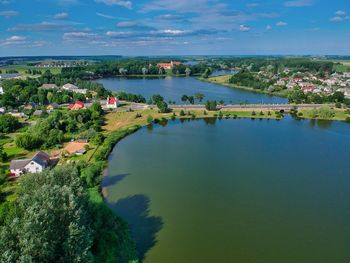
(199, 96)
(52, 223)
(8, 123)
(211, 105)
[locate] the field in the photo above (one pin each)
(22, 68)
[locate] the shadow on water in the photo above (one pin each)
(112, 179)
(135, 210)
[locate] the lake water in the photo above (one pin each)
(172, 88)
(245, 191)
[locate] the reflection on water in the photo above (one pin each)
(235, 190)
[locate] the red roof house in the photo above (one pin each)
(112, 102)
(77, 106)
(168, 65)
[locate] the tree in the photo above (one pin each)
(163, 107)
(184, 98)
(211, 105)
(191, 99)
(297, 96)
(52, 222)
(8, 123)
(199, 96)
(325, 112)
(188, 71)
(157, 98)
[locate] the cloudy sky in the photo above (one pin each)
(174, 27)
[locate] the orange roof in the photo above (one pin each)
(74, 147)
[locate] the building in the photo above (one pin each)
(70, 87)
(10, 76)
(49, 86)
(52, 106)
(1, 89)
(112, 103)
(38, 113)
(36, 164)
(77, 106)
(168, 65)
(75, 148)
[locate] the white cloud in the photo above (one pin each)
(105, 16)
(61, 16)
(268, 28)
(336, 19)
(244, 28)
(340, 13)
(298, 3)
(281, 23)
(8, 14)
(78, 36)
(13, 40)
(124, 3)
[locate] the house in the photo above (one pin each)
(76, 148)
(2, 110)
(10, 76)
(112, 103)
(1, 89)
(17, 114)
(81, 91)
(70, 87)
(38, 113)
(36, 164)
(49, 86)
(77, 106)
(29, 106)
(168, 65)
(52, 106)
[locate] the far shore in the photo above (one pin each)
(223, 80)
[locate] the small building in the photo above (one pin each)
(36, 164)
(77, 106)
(38, 113)
(168, 65)
(70, 87)
(1, 89)
(75, 148)
(49, 86)
(112, 103)
(52, 106)
(2, 110)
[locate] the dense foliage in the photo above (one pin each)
(246, 79)
(8, 123)
(50, 131)
(59, 216)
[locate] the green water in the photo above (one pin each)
(236, 191)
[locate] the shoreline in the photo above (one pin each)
(212, 80)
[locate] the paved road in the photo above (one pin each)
(254, 106)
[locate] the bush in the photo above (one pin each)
(149, 119)
(347, 119)
(182, 113)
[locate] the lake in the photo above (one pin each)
(246, 191)
(172, 88)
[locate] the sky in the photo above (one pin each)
(174, 27)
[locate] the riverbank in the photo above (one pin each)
(224, 81)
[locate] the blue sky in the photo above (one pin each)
(174, 27)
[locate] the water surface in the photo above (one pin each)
(236, 191)
(172, 88)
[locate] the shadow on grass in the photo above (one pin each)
(135, 211)
(112, 179)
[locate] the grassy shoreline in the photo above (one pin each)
(223, 81)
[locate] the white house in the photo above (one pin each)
(112, 103)
(36, 164)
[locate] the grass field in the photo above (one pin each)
(21, 69)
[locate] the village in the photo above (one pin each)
(311, 83)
